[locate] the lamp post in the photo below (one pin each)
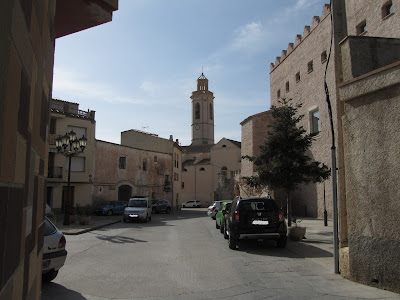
(76, 146)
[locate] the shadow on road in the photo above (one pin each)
(52, 291)
(118, 239)
(292, 250)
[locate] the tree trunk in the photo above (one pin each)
(289, 208)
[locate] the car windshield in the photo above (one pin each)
(266, 205)
(137, 203)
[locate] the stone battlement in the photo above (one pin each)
(300, 38)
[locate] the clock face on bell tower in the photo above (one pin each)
(202, 113)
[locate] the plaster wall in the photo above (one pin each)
(371, 143)
(308, 48)
(82, 181)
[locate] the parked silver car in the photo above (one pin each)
(54, 253)
(213, 209)
(138, 209)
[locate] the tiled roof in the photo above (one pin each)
(197, 148)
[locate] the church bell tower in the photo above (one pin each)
(202, 113)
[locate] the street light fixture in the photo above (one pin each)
(76, 146)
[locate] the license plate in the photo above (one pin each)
(133, 216)
(260, 222)
(46, 264)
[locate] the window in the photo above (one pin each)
(202, 169)
(53, 126)
(361, 28)
(80, 131)
(211, 111)
(197, 111)
(387, 9)
(144, 164)
(176, 176)
(122, 162)
(278, 94)
(297, 76)
(183, 185)
(310, 66)
(77, 164)
(166, 179)
(314, 122)
(155, 158)
(324, 57)
(287, 87)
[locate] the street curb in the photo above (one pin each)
(90, 229)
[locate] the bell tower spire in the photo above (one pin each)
(202, 113)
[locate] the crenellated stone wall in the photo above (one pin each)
(299, 74)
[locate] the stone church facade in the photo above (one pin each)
(208, 169)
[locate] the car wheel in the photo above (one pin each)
(221, 228)
(168, 210)
(216, 225)
(282, 241)
(150, 218)
(110, 212)
(49, 276)
(198, 206)
(226, 236)
(183, 206)
(232, 242)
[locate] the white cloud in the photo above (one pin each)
(248, 36)
(290, 11)
(73, 85)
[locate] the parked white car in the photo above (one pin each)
(191, 203)
(54, 253)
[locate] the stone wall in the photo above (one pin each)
(371, 11)
(26, 73)
(148, 181)
(299, 74)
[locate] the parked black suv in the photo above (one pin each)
(255, 218)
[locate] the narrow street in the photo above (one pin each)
(183, 256)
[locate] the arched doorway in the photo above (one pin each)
(124, 192)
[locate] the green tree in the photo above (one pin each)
(283, 163)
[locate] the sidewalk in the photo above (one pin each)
(95, 223)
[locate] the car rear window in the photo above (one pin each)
(258, 204)
(48, 227)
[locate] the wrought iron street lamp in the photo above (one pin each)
(76, 146)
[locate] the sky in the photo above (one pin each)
(139, 71)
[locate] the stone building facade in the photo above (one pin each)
(363, 83)
(28, 30)
(208, 169)
(170, 170)
(66, 116)
(129, 171)
(299, 74)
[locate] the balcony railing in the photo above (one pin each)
(71, 110)
(55, 172)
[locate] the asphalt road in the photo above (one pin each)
(183, 256)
